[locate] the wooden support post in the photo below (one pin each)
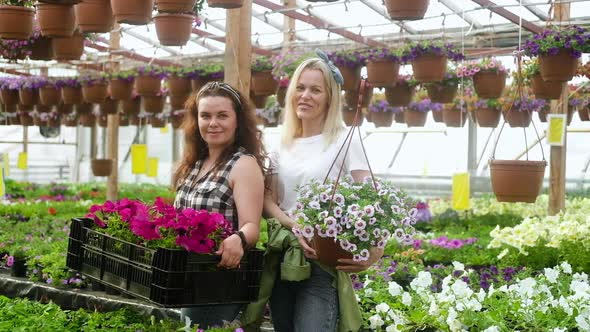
(288, 27)
(113, 133)
(238, 47)
(558, 153)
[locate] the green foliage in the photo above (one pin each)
(20, 3)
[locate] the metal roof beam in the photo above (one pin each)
(487, 4)
(129, 54)
(535, 10)
(221, 39)
(204, 44)
(467, 17)
(151, 42)
(319, 23)
(380, 9)
(261, 16)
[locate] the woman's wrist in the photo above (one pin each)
(243, 239)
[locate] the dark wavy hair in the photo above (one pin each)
(248, 136)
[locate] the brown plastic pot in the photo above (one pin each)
(109, 106)
(96, 93)
(584, 113)
(153, 104)
(453, 117)
(348, 117)
(414, 118)
(71, 95)
(329, 251)
(406, 10)
(351, 76)
(132, 105)
(177, 102)
(227, 4)
(121, 89)
(382, 72)
(56, 20)
(559, 68)
(16, 22)
(175, 6)
(263, 84)
(546, 89)
(488, 117)
(441, 93)
(94, 16)
(399, 95)
(41, 49)
(351, 98)
(429, 68)
(101, 167)
(147, 85)
(174, 29)
(489, 84)
(382, 119)
(68, 48)
(28, 97)
(49, 95)
(517, 119)
(134, 12)
(179, 86)
(9, 97)
(517, 180)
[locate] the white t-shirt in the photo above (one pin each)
(310, 158)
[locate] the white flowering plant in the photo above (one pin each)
(359, 215)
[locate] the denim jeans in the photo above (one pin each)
(212, 315)
(305, 306)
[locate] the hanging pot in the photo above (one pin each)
(351, 76)
(399, 95)
(263, 84)
(9, 97)
(453, 117)
(49, 95)
(198, 83)
(517, 180)
(329, 251)
(56, 20)
(227, 4)
(68, 48)
(441, 93)
(157, 122)
(177, 102)
(560, 67)
(153, 104)
(94, 16)
(259, 101)
(109, 106)
(382, 119)
(546, 89)
(87, 120)
(348, 117)
(414, 118)
(179, 86)
(147, 85)
(584, 113)
(406, 10)
(351, 98)
(84, 108)
(28, 97)
(9, 108)
(174, 29)
(175, 6)
(41, 49)
(54, 122)
(488, 117)
(26, 119)
(71, 95)
(399, 117)
(489, 84)
(132, 105)
(429, 68)
(96, 93)
(121, 89)
(134, 12)
(101, 167)
(382, 72)
(64, 108)
(517, 119)
(16, 22)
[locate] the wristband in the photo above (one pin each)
(243, 239)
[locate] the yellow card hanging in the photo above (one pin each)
(152, 167)
(138, 158)
(2, 189)
(6, 163)
(461, 191)
(556, 129)
(22, 161)
(164, 130)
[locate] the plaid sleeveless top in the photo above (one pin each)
(211, 192)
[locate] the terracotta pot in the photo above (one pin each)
(382, 73)
(560, 67)
(109, 106)
(95, 93)
(227, 4)
(9, 97)
(179, 86)
(329, 251)
(175, 6)
(399, 117)
(489, 84)
(26, 119)
(62, 108)
(121, 89)
(87, 120)
(399, 95)
(16, 22)
(517, 180)
(153, 104)
(382, 119)
(453, 118)
(101, 167)
(42, 108)
(259, 101)
(9, 108)
(198, 83)
(406, 10)
(488, 117)
(174, 29)
(263, 84)
(176, 121)
(25, 108)
(351, 98)
(135, 12)
(584, 113)
(56, 20)
(71, 95)
(348, 117)
(49, 95)
(132, 106)
(28, 97)
(414, 118)
(84, 108)
(281, 94)
(68, 48)
(546, 89)
(351, 76)
(157, 122)
(429, 68)
(54, 122)
(177, 102)
(441, 93)
(41, 49)
(94, 16)
(518, 119)
(147, 85)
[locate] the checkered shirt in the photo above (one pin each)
(211, 192)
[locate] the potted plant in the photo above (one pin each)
(349, 62)
(94, 88)
(9, 91)
(406, 10)
(134, 12)
(346, 219)
(382, 66)
(518, 110)
(56, 19)
(489, 77)
(416, 112)
(558, 50)
(71, 90)
(202, 73)
(36, 47)
(487, 112)
(16, 261)
(179, 85)
(149, 80)
(445, 90)
(132, 105)
(94, 16)
(381, 113)
(154, 104)
(16, 19)
(174, 29)
(583, 93)
(28, 89)
(121, 84)
(49, 92)
(262, 82)
(68, 48)
(429, 59)
(401, 92)
(455, 113)
(541, 88)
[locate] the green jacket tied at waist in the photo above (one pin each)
(295, 267)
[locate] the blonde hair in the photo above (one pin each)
(333, 125)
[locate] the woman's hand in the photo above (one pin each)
(231, 252)
(349, 265)
(308, 251)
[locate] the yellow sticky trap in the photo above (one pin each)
(2, 189)
(152, 169)
(164, 130)
(5, 162)
(461, 191)
(22, 161)
(138, 158)
(556, 130)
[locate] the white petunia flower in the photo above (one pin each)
(338, 212)
(369, 210)
(492, 329)
(339, 199)
(394, 288)
(382, 307)
(551, 275)
(406, 298)
(314, 205)
(566, 268)
(375, 322)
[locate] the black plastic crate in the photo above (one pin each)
(167, 277)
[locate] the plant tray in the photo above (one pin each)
(167, 277)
